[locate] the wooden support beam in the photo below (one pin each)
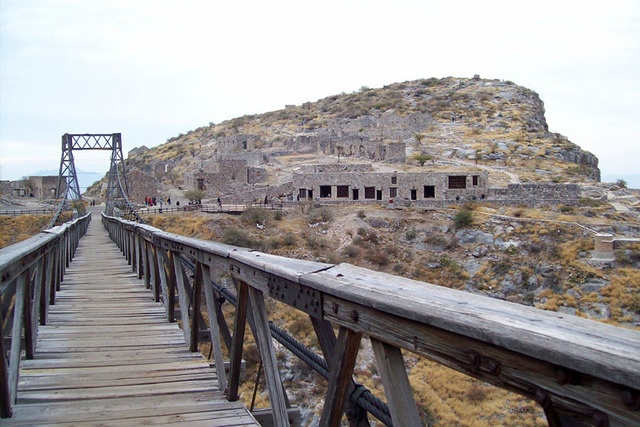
(214, 330)
(5, 400)
(402, 406)
(343, 361)
(169, 290)
(45, 287)
(29, 336)
(140, 270)
(196, 292)
(16, 337)
(263, 338)
(222, 324)
(183, 297)
(239, 324)
(327, 338)
(146, 262)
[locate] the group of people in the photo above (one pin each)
(155, 201)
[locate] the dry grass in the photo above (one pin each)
(14, 229)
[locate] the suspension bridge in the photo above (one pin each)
(90, 313)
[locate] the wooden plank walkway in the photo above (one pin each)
(108, 356)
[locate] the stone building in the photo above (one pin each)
(379, 151)
(224, 176)
(390, 186)
(43, 187)
(236, 142)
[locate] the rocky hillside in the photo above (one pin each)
(455, 122)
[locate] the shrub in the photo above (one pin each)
(289, 239)
(317, 215)
(361, 214)
(278, 215)
(351, 251)
(621, 183)
(254, 216)
(587, 201)
(410, 234)
(237, 237)
(463, 218)
(377, 257)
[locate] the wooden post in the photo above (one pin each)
(140, 270)
(171, 286)
(165, 271)
(155, 271)
(327, 339)
(196, 292)
(146, 262)
(343, 361)
(272, 377)
(47, 279)
(183, 297)
(16, 337)
(214, 331)
(239, 324)
(5, 401)
(402, 406)
(29, 336)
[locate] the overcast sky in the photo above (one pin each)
(154, 69)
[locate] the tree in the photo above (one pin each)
(621, 183)
(422, 158)
(194, 195)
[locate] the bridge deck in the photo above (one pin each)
(108, 355)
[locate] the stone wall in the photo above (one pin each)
(256, 175)
(6, 188)
(336, 167)
(535, 194)
(251, 194)
(252, 158)
(141, 185)
(360, 147)
(228, 174)
(387, 126)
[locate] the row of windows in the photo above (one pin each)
(342, 192)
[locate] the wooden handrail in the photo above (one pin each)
(30, 275)
(575, 368)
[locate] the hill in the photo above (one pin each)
(456, 123)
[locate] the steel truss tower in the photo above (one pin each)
(68, 187)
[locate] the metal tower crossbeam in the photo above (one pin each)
(118, 188)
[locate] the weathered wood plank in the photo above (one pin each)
(523, 329)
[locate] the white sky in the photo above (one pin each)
(152, 69)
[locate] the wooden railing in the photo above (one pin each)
(576, 369)
(30, 275)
